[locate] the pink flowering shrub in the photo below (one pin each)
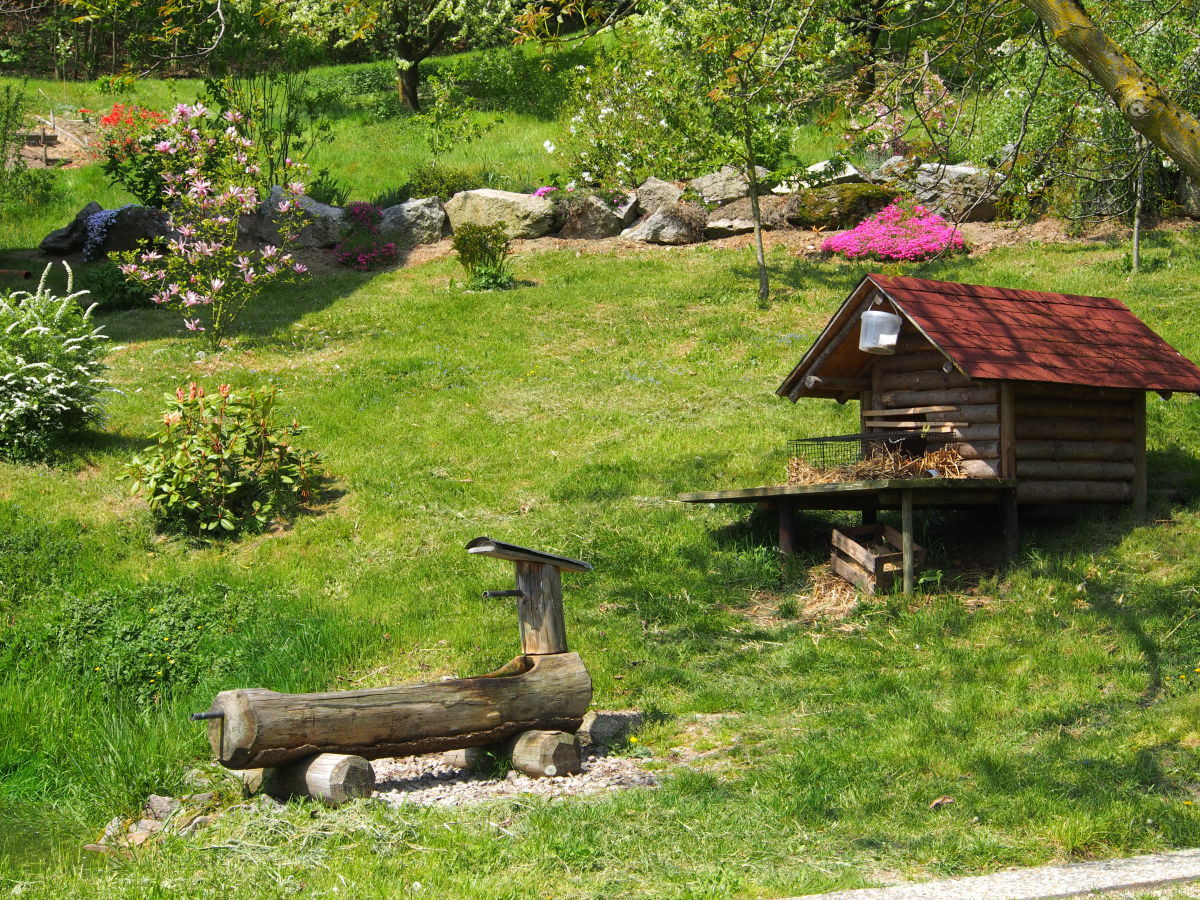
(901, 231)
(208, 177)
(362, 247)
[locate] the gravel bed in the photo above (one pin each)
(429, 781)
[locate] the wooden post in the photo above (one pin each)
(787, 528)
(1139, 455)
(1012, 532)
(333, 778)
(906, 538)
(540, 608)
(1008, 431)
(547, 753)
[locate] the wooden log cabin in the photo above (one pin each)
(1047, 389)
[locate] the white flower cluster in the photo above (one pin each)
(51, 368)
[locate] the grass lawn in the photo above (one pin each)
(1057, 705)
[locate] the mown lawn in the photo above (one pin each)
(1056, 704)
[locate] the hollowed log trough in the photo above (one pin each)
(260, 728)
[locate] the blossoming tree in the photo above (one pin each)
(208, 177)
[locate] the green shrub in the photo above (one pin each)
(20, 186)
(111, 290)
(484, 251)
(51, 368)
(444, 182)
(220, 466)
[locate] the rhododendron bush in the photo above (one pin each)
(125, 148)
(208, 176)
(901, 231)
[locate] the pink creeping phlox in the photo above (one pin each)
(902, 232)
(362, 249)
(210, 186)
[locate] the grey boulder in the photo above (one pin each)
(71, 236)
(723, 226)
(593, 218)
(133, 225)
(1189, 197)
(326, 225)
(678, 223)
(523, 215)
(654, 193)
(960, 193)
(414, 222)
(725, 185)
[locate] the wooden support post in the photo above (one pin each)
(1012, 532)
(787, 528)
(1008, 430)
(540, 609)
(1139, 455)
(906, 538)
(546, 754)
(333, 778)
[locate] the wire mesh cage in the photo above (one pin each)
(836, 451)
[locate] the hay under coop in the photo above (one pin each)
(869, 457)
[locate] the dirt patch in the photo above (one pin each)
(827, 598)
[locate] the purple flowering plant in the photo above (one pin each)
(208, 184)
(902, 231)
(362, 248)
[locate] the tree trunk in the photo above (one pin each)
(408, 83)
(764, 284)
(1166, 124)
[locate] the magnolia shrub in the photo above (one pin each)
(51, 368)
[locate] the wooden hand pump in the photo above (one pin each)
(545, 688)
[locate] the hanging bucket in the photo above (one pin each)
(878, 332)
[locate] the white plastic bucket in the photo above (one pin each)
(878, 332)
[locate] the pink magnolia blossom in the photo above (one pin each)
(193, 325)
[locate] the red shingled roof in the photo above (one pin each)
(1019, 335)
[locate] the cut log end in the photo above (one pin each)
(547, 754)
(332, 778)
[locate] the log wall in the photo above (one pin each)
(1063, 443)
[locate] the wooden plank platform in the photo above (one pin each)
(881, 494)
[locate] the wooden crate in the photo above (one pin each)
(852, 558)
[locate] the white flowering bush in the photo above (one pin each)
(51, 369)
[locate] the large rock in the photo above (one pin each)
(824, 172)
(592, 218)
(523, 215)
(770, 208)
(678, 223)
(725, 185)
(414, 222)
(654, 193)
(131, 225)
(71, 236)
(327, 225)
(960, 193)
(1189, 197)
(836, 206)
(723, 227)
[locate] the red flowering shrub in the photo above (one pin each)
(126, 150)
(362, 248)
(902, 231)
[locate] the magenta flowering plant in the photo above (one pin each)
(545, 190)
(902, 231)
(363, 248)
(208, 184)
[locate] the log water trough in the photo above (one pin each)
(318, 743)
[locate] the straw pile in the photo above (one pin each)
(882, 463)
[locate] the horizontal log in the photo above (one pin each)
(908, 411)
(1072, 430)
(923, 381)
(974, 414)
(1071, 392)
(930, 360)
(977, 449)
(1075, 470)
(546, 754)
(333, 778)
(823, 382)
(1119, 450)
(1074, 492)
(265, 728)
(915, 425)
(981, 468)
(956, 396)
(970, 433)
(1100, 411)
(912, 343)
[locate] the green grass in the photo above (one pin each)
(566, 415)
